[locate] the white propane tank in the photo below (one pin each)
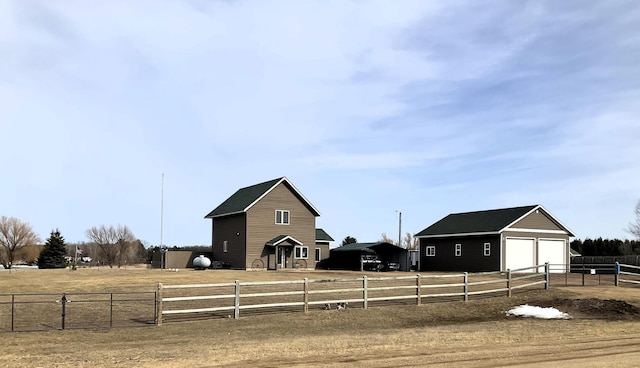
(201, 262)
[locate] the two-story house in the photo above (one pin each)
(268, 225)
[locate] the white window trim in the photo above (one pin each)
(487, 249)
(303, 255)
(458, 250)
(430, 250)
(282, 212)
(225, 246)
(318, 254)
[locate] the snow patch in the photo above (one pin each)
(537, 312)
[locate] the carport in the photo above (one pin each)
(378, 256)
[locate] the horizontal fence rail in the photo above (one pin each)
(627, 274)
(229, 299)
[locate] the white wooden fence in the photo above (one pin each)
(227, 297)
(627, 274)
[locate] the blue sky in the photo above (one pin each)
(368, 107)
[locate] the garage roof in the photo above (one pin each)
(482, 222)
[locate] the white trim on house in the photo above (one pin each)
(282, 217)
(430, 250)
(288, 237)
(537, 231)
(304, 252)
(226, 214)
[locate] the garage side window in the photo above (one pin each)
(487, 249)
(431, 251)
(458, 250)
(225, 248)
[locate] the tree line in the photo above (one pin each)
(606, 247)
(108, 245)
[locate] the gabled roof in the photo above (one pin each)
(243, 199)
(483, 222)
(322, 235)
(281, 239)
(364, 247)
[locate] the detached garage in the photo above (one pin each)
(495, 240)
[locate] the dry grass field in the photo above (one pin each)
(455, 334)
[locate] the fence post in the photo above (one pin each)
(236, 312)
(110, 310)
(63, 301)
(13, 306)
(419, 288)
(159, 297)
(547, 276)
(466, 286)
(509, 283)
(617, 276)
(583, 269)
(305, 298)
(365, 292)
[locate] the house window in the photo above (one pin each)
(431, 250)
(487, 249)
(458, 250)
(302, 252)
(224, 246)
(282, 217)
(318, 254)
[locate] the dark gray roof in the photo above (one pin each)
(281, 238)
(323, 236)
(489, 221)
(244, 198)
(363, 246)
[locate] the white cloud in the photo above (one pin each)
(470, 105)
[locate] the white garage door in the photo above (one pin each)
(552, 251)
(520, 253)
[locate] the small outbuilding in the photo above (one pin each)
(377, 256)
(495, 240)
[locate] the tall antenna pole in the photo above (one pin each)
(162, 266)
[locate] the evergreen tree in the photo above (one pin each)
(53, 252)
(349, 240)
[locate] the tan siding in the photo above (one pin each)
(261, 226)
(227, 228)
(537, 220)
(183, 258)
(324, 253)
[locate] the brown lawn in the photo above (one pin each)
(455, 334)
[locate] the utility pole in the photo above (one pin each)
(399, 228)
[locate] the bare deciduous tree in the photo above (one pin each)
(410, 242)
(113, 242)
(14, 235)
(385, 239)
(29, 253)
(634, 227)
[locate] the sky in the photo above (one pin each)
(370, 108)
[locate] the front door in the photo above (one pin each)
(282, 257)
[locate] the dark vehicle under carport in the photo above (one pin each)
(378, 256)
